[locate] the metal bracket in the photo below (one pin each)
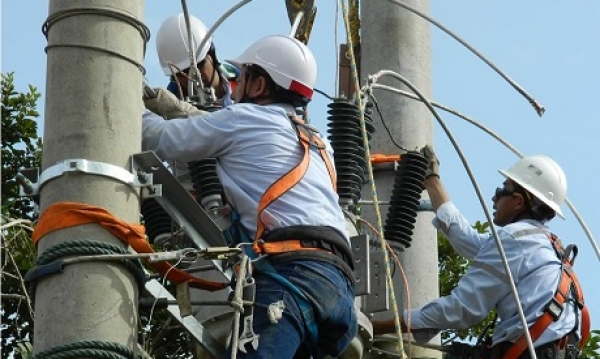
(197, 330)
(180, 205)
(378, 298)
(362, 272)
(32, 182)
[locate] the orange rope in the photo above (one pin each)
(62, 215)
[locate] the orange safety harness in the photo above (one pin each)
(307, 137)
(568, 288)
(62, 215)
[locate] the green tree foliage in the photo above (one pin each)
(451, 268)
(21, 148)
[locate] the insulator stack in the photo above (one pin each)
(205, 181)
(204, 175)
(346, 139)
(408, 185)
(156, 220)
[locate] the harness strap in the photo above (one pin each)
(567, 284)
(61, 215)
(306, 138)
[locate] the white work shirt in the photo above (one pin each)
(254, 146)
(535, 268)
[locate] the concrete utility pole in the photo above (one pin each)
(93, 112)
(396, 39)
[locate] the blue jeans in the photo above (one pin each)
(331, 295)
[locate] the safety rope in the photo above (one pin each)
(62, 215)
(372, 181)
(88, 349)
(47, 263)
(100, 11)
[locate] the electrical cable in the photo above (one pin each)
(323, 93)
(538, 108)
(408, 302)
(221, 19)
(384, 123)
(102, 11)
(373, 79)
(335, 50)
(163, 283)
(371, 179)
(497, 137)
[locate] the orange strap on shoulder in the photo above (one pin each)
(567, 281)
(70, 214)
(292, 177)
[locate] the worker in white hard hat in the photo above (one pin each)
(531, 195)
(174, 57)
(172, 45)
(278, 176)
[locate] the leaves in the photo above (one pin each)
(21, 148)
(21, 145)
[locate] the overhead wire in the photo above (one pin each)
(384, 123)
(337, 45)
(373, 79)
(538, 107)
(371, 178)
(497, 137)
(220, 20)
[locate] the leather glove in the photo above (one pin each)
(433, 168)
(163, 103)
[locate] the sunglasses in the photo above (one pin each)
(503, 192)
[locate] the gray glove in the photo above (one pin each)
(163, 103)
(433, 169)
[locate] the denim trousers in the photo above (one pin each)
(331, 297)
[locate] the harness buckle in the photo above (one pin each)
(554, 308)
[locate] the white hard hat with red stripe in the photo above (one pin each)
(172, 43)
(543, 178)
(288, 61)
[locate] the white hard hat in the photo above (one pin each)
(288, 61)
(172, 43)
(543, 178)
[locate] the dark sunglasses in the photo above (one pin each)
(186, 72)
(503, 192)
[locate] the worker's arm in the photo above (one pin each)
(388, 326)
(437, 192)
(433, 184)
(163, 103)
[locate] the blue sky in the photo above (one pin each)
(550, 48)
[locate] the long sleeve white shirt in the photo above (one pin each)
(533, 263)
(254, 146)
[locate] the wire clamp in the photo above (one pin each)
(31, 181)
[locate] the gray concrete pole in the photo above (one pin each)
(394, 39)
(93, 111)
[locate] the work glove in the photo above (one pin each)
(163, 103)
(433, 168)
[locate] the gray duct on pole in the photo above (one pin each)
(397, 40)
(92, 111)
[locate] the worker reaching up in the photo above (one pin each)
(278, 175)
(533, 191)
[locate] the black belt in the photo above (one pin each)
(320, 244)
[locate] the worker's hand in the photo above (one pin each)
(433, 169)
(163, 103)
